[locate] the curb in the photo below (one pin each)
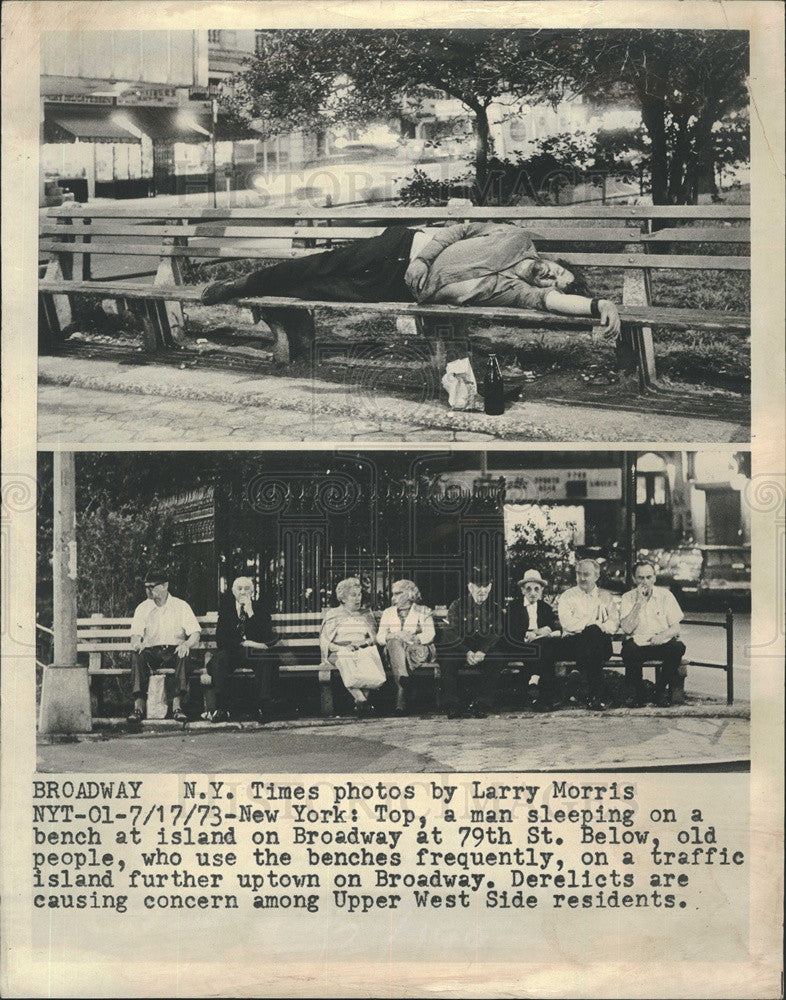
(116, 728)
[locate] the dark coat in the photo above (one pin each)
(518, 619)
(473, 626)
(259, 627)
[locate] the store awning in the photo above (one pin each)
(184, 124)
(89, 124)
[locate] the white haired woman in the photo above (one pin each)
(406, 630)
(348, 640)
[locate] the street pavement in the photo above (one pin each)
(700, 736)
(107, 402)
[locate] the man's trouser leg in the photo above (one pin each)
(181, 676)
(140, 673)
(221, 668)
(366, 270)
(449, 690)
(542, 664)
(670, 655)
(633, 657)
(492, 669)
(264, 663)
(150, 658)
(593, 648)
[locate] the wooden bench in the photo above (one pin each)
(164, 240)
(299, 641)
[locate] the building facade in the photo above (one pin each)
(299, 530)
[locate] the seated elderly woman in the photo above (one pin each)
(348, 640)
(406, 630)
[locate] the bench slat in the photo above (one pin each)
(399, 213)
(207, 229)
(656, 315)
(671, 262)
(689, 234)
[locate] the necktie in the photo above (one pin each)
(242, 619)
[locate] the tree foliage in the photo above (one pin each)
(318, 78)
(685, 82)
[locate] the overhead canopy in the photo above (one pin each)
(88, 124)
(188, 123)
(191, 123)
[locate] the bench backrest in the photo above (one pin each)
(296, 630)
(618, 236)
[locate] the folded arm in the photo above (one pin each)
(417, 272)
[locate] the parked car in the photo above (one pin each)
(704, 573)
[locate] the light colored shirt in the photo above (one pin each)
(659, 613)
(577, 610)
(419, 621)
(473, 262)
(421, 239)
(532, 616)
(168, 625)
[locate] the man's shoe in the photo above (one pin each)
(597, 704)
(477, 711)
(219, 715)
(180, 716)
(458, 713)
(134, 720)
(663, 699)
(218, 291)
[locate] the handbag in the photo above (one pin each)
(157, 706)
(361, 669)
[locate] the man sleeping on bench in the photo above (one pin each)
(474, 263)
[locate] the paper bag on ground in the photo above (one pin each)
(459, 382)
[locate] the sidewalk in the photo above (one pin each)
(107, 402)
(700, 736)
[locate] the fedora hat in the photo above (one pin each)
(532, 576)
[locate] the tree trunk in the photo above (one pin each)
(679, 167)
(652, 114)
(702, 167)
(480, 127)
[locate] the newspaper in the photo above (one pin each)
(588, 834)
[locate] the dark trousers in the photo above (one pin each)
(263, 662)
(538, 658)
(454, 658)
(367, 270)
(153, 658)
(590, 649)
(668, 654)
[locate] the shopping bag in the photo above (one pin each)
(156, 697)
(361, 669)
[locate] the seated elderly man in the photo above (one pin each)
(244, 638)
(406, 631)
(531, 625)
(650, 617)
(589, 618)
(478, 263)
(473, 638)
(164, 630)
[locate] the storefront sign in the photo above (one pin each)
(545, 484)
(563, 484)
